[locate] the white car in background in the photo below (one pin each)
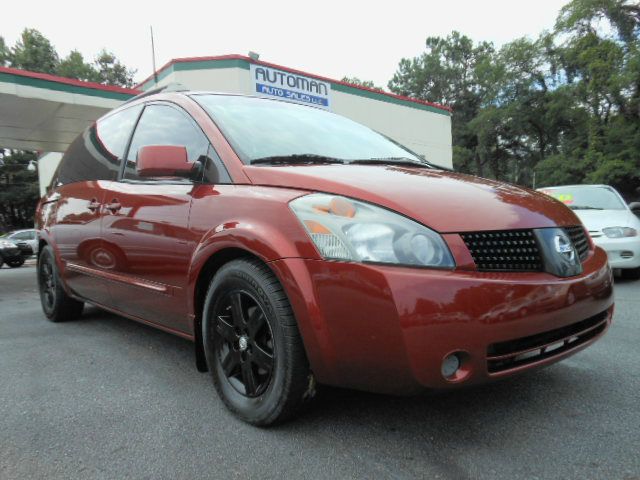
(612, 223)
(22, 238)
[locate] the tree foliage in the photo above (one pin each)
(362, 83)
(18, 190)
(562, 108)
(74, 66)
(5, 53)
(34, 52)
(111, 71)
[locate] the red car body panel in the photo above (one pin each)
(444, 201)
(386, 328)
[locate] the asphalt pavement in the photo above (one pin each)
(107, 398)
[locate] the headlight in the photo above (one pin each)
(5, 244)
(619, 232)
(346, 229)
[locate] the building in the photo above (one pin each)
(45, 113)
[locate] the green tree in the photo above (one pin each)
(18, 189)
(362, 83)
(34, 52)
(5, 53)
(112, 72)
(74, 66)
(602, 67)
(458, 73)
(565, 105)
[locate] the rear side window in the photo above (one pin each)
(97, 153)
(165, 125)
(22, 236)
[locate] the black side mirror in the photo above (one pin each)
(635, 208)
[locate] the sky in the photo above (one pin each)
(329, 38)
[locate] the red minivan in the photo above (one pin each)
(295, 246)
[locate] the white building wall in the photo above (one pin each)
(227, 80)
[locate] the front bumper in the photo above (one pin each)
(388, 329)
(25, 249)
(622, 252)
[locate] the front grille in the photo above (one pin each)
(522, 351)
(507, 250)
(516, 250)
(579, 240)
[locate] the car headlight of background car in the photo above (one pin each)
(346, 229)
(619, 232)
(6, 244)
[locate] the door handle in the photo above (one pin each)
(93, 205)
(114, 206)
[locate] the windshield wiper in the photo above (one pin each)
(583, 207)
(393, 161)
(295, 159)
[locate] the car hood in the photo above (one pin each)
(444, 201)
(596, 220)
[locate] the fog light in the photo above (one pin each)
(450, 365)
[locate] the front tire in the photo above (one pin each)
(16, 263)
(56, 304)
(252, 344)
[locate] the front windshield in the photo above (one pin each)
(586, 197)
(261, 129)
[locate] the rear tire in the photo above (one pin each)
(16, 263)
(252, 344)
(56, 304)
(631, 273)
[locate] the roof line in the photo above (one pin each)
(69, 81)
(295, 71)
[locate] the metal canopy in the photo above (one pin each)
(45, 112)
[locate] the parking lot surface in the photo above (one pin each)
(105, 397)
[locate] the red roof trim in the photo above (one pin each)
(68, 81)
(298, 72)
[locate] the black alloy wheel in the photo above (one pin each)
(244, 343)
(252, 345)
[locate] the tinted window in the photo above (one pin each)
(96, 154)
(21, 236)
(114, 131)
(259, 128)
(214, 170)
(166, 125)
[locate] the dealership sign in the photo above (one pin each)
(270, 82)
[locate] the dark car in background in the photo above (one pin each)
(10, 254)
